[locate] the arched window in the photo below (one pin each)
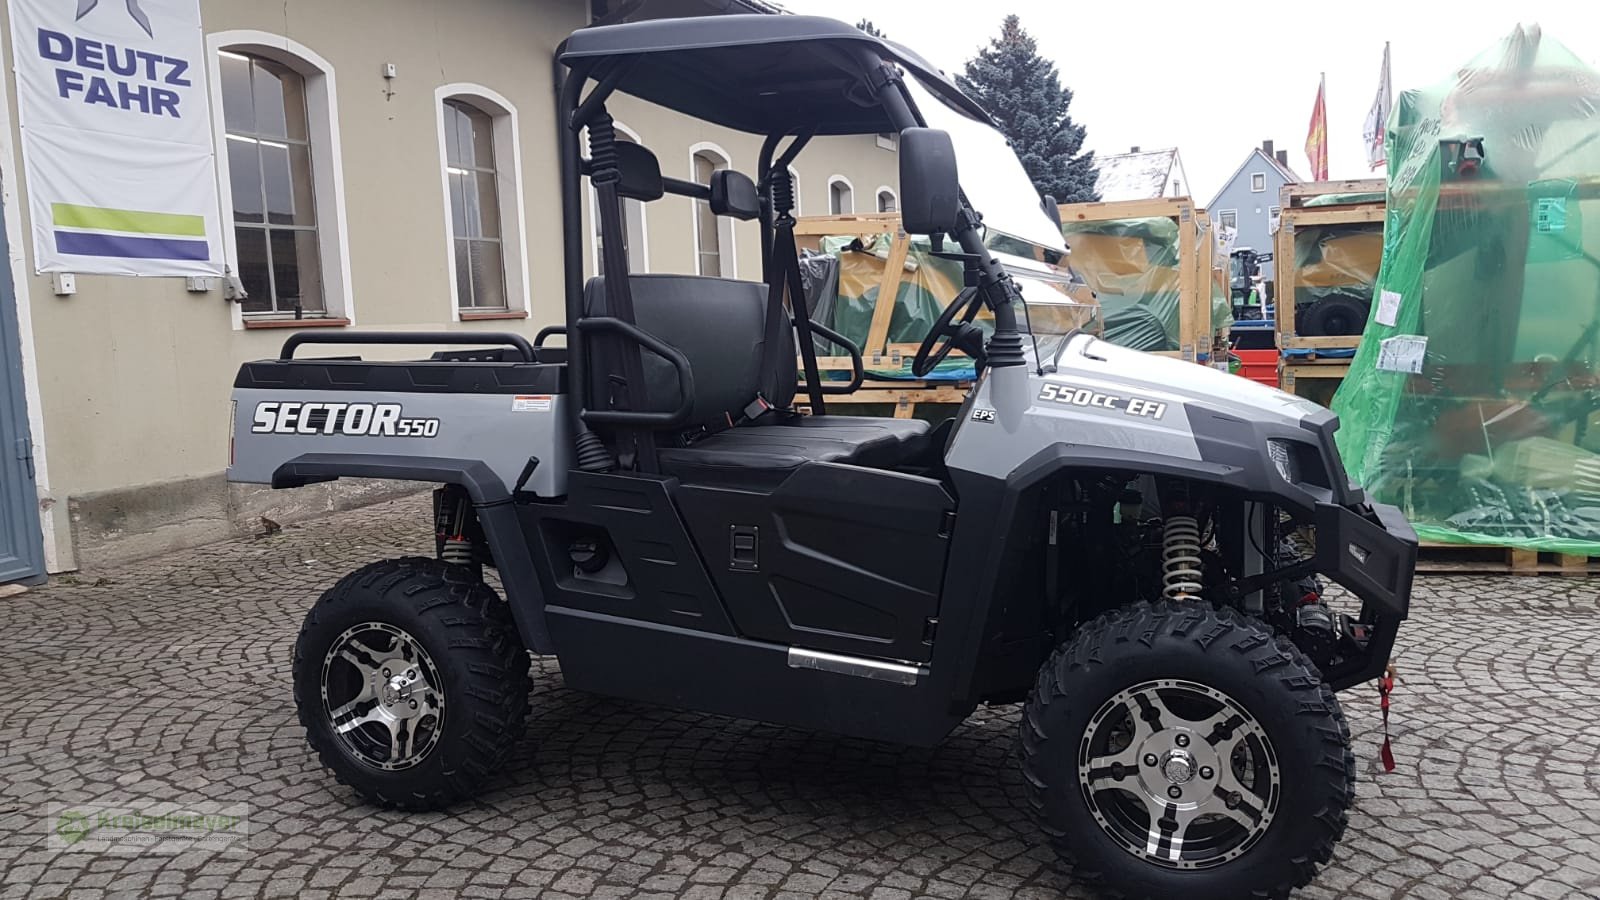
(272, 188)
(887, 201)
(474, 207)
(841, 196)
(480, 155)
(713, 237)
(633, 217)
(282, 181)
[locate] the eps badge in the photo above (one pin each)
(979, 414)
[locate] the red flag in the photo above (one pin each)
(1317, 136)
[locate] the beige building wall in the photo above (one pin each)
(129, 378)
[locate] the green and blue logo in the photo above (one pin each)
(73, 826)
(127, 233)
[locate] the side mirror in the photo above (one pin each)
(930, 191)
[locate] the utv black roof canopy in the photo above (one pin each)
(759, 74)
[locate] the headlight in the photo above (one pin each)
(1283, 459)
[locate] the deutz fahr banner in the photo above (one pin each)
(116, 136)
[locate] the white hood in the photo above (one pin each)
(1087, 356)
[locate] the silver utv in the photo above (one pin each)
(1132, 548)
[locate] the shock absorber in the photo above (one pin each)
(450, 522)
(1181, 569)
(456, 550)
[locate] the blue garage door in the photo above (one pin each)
(21, 556)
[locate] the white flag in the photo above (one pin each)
(116, 136)
(1378, 116)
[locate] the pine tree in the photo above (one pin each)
(1023, 92)
(867, 26)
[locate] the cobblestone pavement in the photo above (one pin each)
(169, 680)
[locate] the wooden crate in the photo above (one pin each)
(1295, 195)
(808, 234)
(1315, 381)
(1293, 214)
(878, 352)
(1473, 559)
(1196, 261)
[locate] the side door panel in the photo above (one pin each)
(655, 572)
(838, 558)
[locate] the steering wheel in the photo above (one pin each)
(957, 334)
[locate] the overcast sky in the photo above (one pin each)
(1215, 79)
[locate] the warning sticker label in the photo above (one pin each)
(531, 403)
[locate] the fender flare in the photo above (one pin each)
(1236, 465)
(491, 500)
(1060, 456)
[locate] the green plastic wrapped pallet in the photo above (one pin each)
(1473, 402)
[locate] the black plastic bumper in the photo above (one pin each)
(1375, 559)
(1372, 551)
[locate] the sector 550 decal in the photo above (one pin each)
(355, 419)
(1143, 407)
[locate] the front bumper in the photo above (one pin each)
(1371, 550)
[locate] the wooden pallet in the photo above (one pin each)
(1472, 559)
(1294, 214)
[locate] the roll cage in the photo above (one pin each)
(787, 78)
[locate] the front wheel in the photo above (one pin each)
(1175, 750)
(411, 682)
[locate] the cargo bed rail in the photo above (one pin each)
(475, 338)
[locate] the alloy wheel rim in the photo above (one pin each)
(383, 696)
(1179, 774)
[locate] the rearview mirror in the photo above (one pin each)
(930, 192)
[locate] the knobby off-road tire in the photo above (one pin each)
(411, 682)
(1244, 735)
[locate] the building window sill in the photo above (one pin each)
(296, 323)
(490, 315)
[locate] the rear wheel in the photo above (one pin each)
(1177, 750)
(1333, 316)
(411, 682)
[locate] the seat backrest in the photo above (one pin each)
(719, 324)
